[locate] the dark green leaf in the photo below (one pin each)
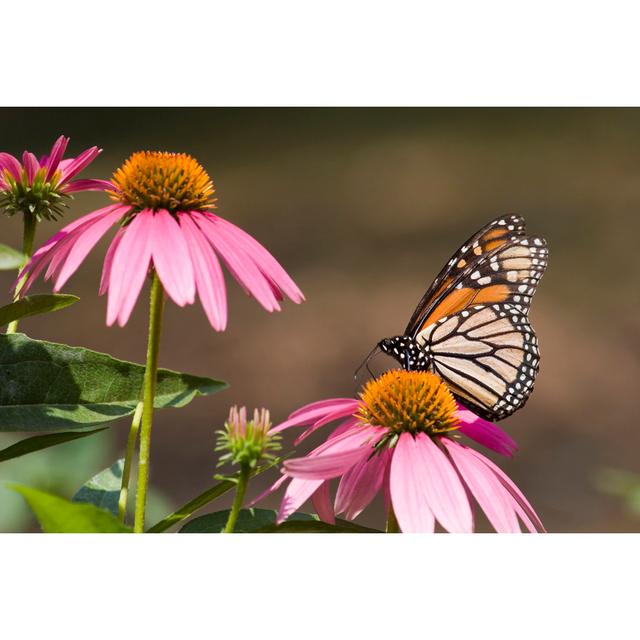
(10, 258)
(57, 515)
(249, 521)
(103, 490)
(203, 499)
(46, 386)
(33, 305)
(294, 526)
(37, 443)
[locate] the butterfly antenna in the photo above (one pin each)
(365, 363)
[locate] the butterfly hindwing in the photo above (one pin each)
(487, 354)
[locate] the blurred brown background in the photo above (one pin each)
(363, 207)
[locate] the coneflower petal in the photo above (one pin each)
(53, 160)
(71, 168)
(298, 491)
(129, 268)
(108, 261)
(171, 258)
(322, 503)
(410, 505)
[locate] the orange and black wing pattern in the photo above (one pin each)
(500, 264)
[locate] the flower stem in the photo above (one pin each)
(28, 235)
(156, 306)
(392, 523)
(245, 472)
(126, 470)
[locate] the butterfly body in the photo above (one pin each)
(472, 327)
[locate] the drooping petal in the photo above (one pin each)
(208, 274)
(342, 412)
(522, 505)
(172, 259)
(315, 411)
(129, 268)
(269, 266)
(108, 261)
(406, 486)
(11, 164)
(76, 165)
(88, 185)
(297, 493)
(268, 491)
(485, 433)
(238, 263)
(445, 494)
(53, 160)
(85, 242)
(492, 497)
(322, 503)
(359, 485)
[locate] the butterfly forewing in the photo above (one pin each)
(487, 354)
(462, 264)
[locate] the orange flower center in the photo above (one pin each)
(411, 401)
(162, 180)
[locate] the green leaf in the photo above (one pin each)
(187, 510)
(57, 515)
(46, 386)
(33, 305)
(249, 521)
(37, 443)
(103, 490)
(10, 258)
(341, 526)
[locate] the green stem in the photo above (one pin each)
(30, 224)
(245, 472)
(126, 470)
(156, 306)
(392, 523)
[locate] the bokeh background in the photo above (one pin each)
(363, 207)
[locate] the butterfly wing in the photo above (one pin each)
(493, 235)
(487, 354)
(503, 270)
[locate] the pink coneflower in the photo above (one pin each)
(400, 437)
(163, 211)
(40, 187)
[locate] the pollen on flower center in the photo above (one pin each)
(411, 401)
(163, 180)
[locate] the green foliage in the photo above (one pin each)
(58, 515)
(622, 484)
(37, 443)
(103, 490)
(264, 521)
(46, 386)
(34, 305)
(10, 259)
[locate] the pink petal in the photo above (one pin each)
(172, 259)
(334, 457)
(11, 164)
(76, 165)
(407, 492)
(31, 165)
(269, 266)
(443, 490)
(359, 485)
(87, 239)
(330, 417)
(297, 493)
(88, 185)
(322, 503)
(57, 151)
(521, 504)
(310, 413)
(208, 274)
(492, 497)
(129, 268)
(485, 433)
(108, 261)
(238, 263)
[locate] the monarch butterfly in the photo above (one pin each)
(472, 327)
